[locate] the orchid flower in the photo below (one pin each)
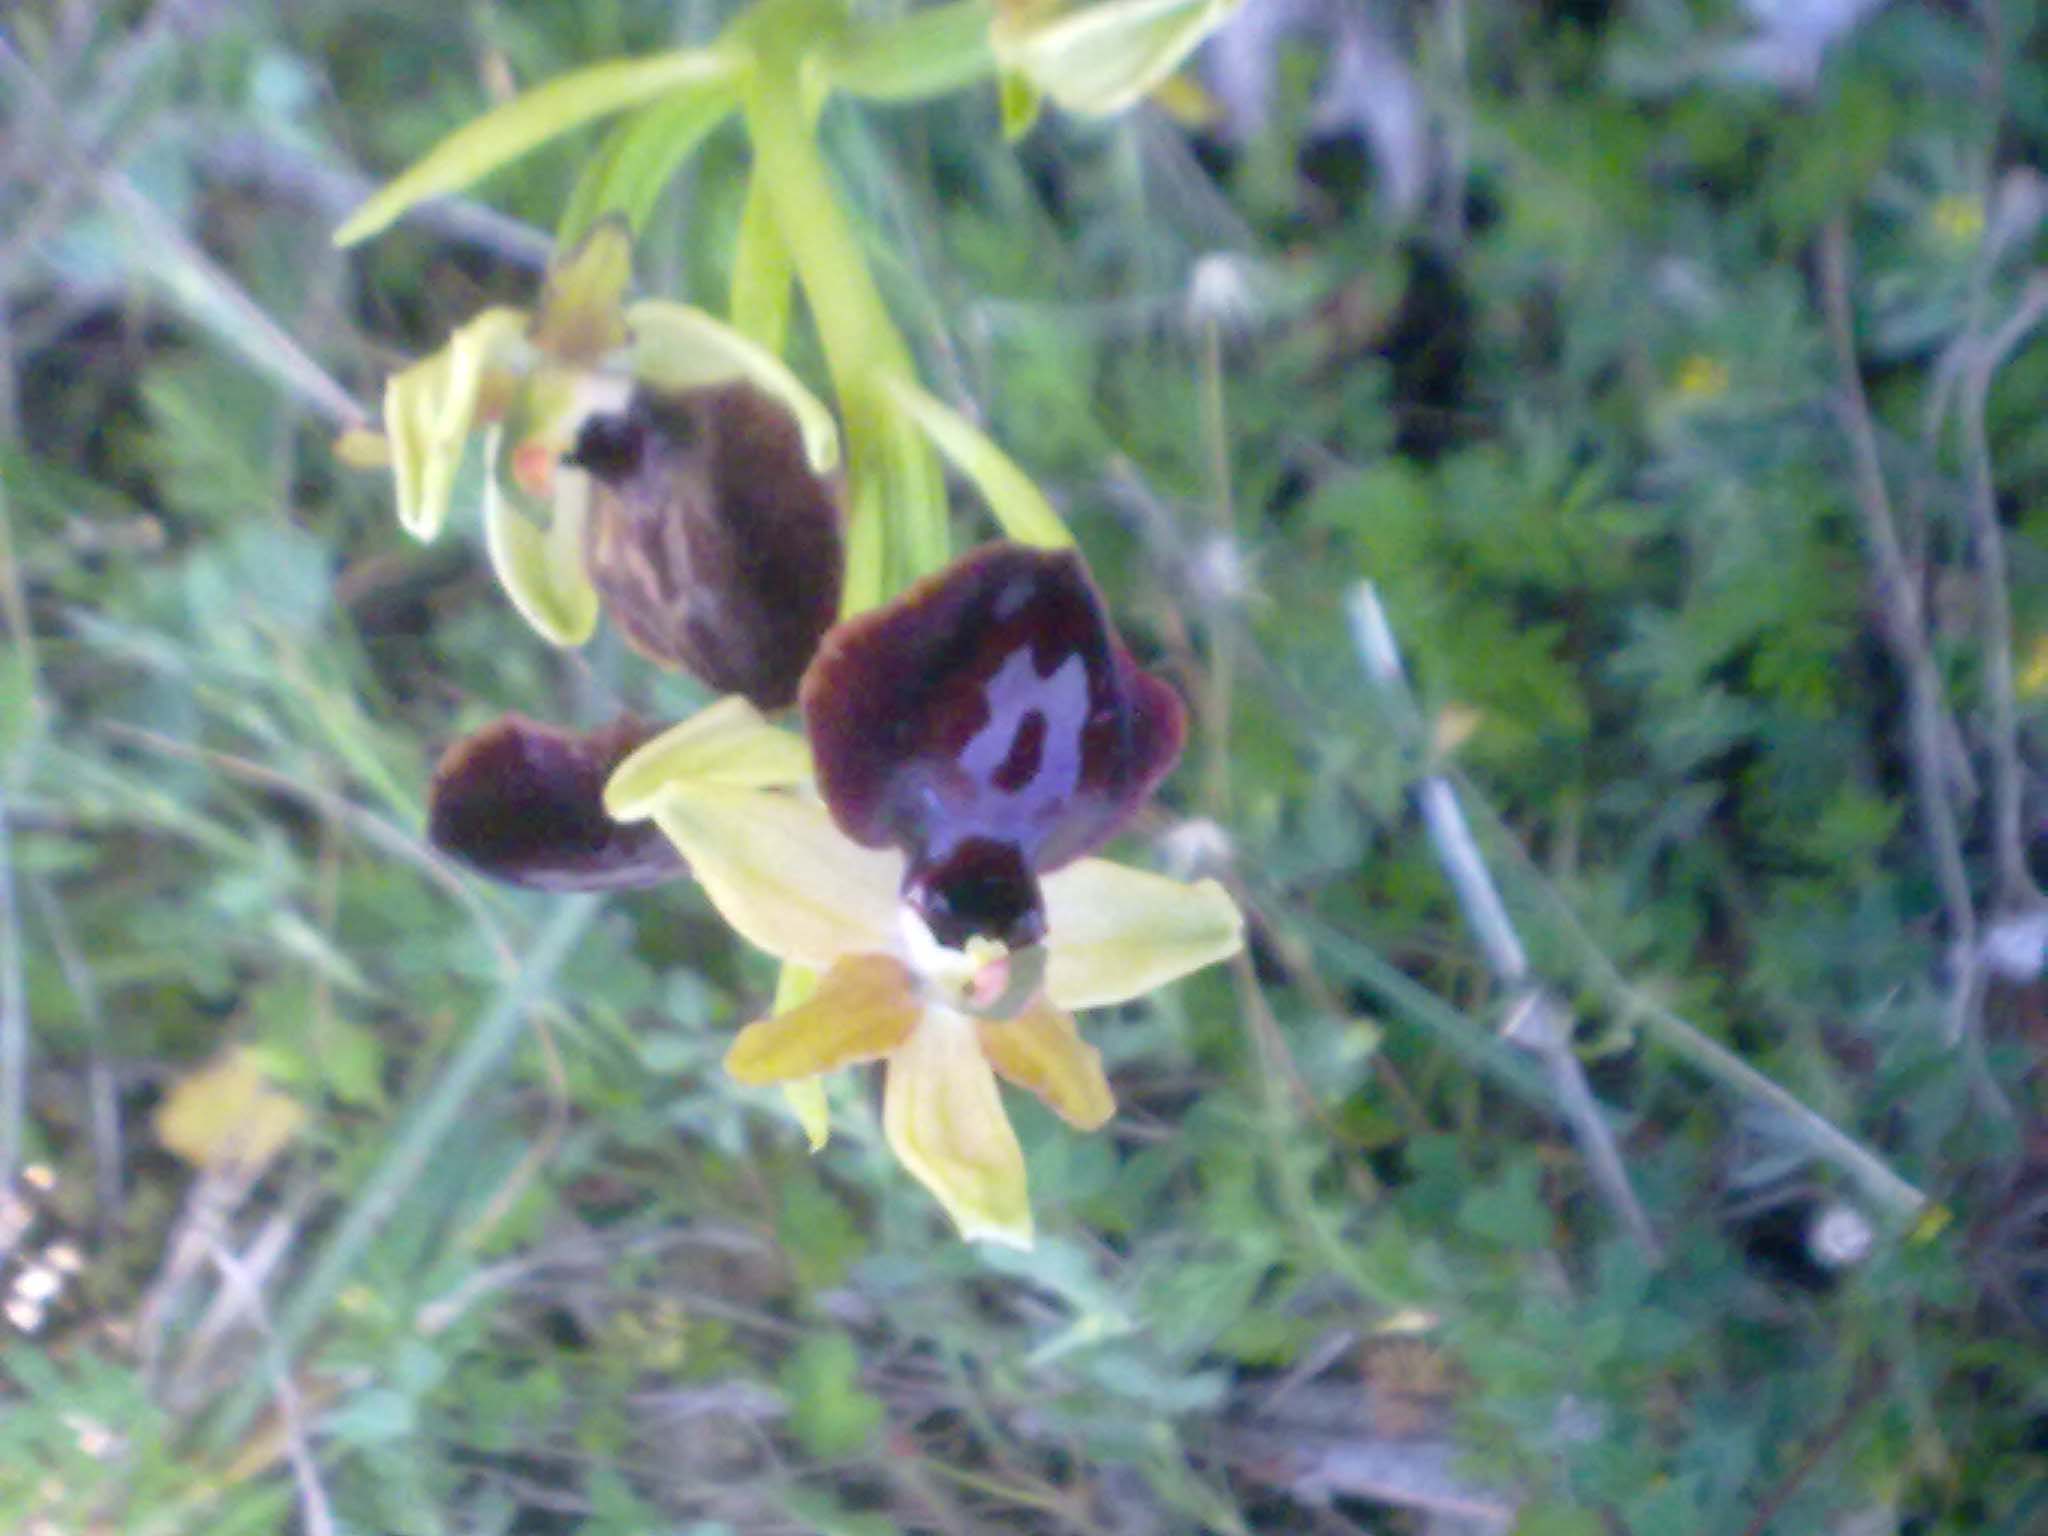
(534, 383)
(972, 741)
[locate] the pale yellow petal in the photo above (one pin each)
(1115, 933)
(727, 743)
(944, 1119)
(542, 569)
(786, 879)
(862, 1009)
(1041, 1051)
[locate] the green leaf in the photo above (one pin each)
(1558, 1520)
(1509, 1210)
(352, 1061)
(530, 120)
(830, 1412)
(641, 156)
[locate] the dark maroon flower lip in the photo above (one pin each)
(714, 548)
(523, 803)
(991, 706)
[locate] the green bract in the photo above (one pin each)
(528, 121)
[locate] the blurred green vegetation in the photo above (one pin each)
(1581, 415)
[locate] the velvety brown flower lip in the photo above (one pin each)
(523, 802)
(991, 707)
(713, 546)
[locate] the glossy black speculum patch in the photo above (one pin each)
(523, 802)
(992, 726)
(982, 888)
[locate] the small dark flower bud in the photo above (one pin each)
(523, 802)
(714, 547)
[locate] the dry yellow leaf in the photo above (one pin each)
(227, 1113)
(2033, 678)
(1455, 726)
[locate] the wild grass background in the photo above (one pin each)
(1671, 371)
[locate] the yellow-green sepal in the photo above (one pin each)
(579, 322)
(1114, 933)
(431, 408)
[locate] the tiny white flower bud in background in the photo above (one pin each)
(1839, 1236)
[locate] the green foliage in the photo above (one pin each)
(1580, 421)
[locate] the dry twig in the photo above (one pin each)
(1903, 624)
(1536, 1021)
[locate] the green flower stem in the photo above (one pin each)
(928, 53)
(761, 273)
(890, 470)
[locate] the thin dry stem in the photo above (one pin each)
(316, 1511)
(1536, 1022)
(103, 1103)
(1903, 625)
(1994, 603)
(1822, 1135)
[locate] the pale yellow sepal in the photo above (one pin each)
(727, 744)
(1042, 1052)
(430, 409)
(227, 1114)
(1114, 933)
(542, 569)
(676, 347)
(529, 120)
(943, 1116)
(864, 1007)
(1020, 508)
(781, 875)
(1099, 59)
